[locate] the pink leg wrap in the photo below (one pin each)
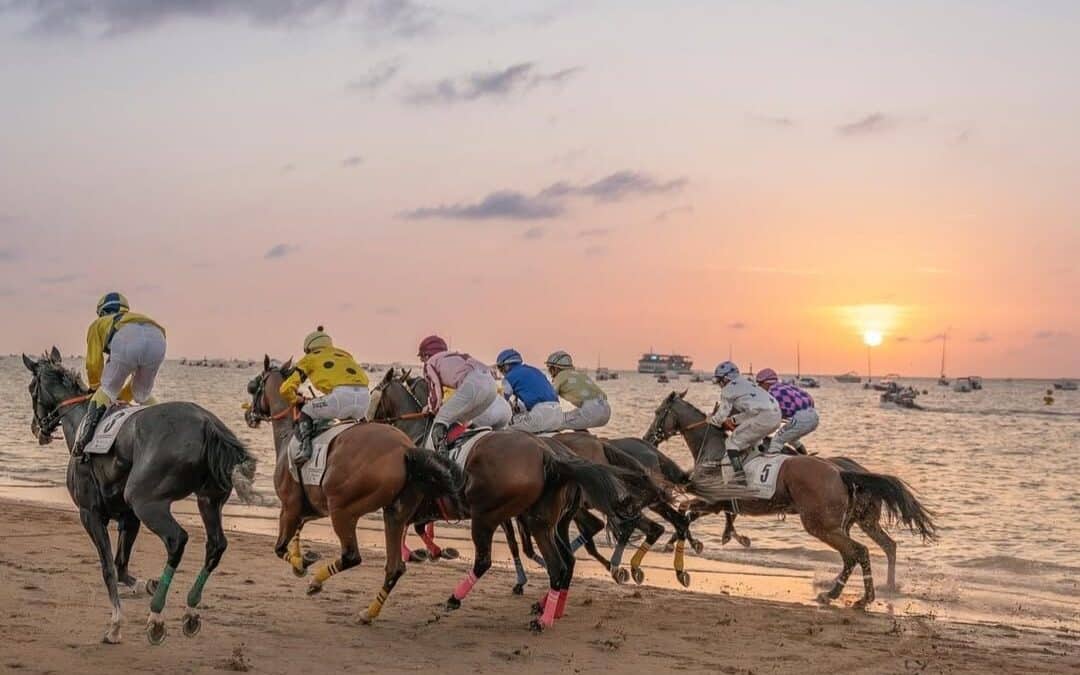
(547, 619)
(465, 585)
(429, 540)
(562, 604)
(406, 554)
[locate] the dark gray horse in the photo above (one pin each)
(162, 454)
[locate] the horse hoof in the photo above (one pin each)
(417, 556)
(536, 626)
(620, 575)
(823, 598)
(192, 625)
(453, 603)
(861, 604)
(310, 557)
(537, 608)
(637, 574)
(364, 619)
(725, 539)
(450, 554)
(743, 541)
(519, 589)
(697, 546)
(684, 578)
(299, 573)
(156, 633)
(151, 586)
(314, 589)
(111, 637)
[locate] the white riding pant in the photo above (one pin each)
(750, 431)
(344, 402)
(137, 350)
(801, 423)
(470, 400)
(593, 413)
(543, 418)
(497, 415)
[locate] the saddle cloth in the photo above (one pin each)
(761, 471)
(312, 472)
(460, 449)
(109, 428)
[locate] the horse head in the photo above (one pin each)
(673, 416)
(54, 390)
(265, 392)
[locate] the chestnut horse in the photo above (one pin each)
(828, 498)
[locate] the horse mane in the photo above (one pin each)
(65, 376)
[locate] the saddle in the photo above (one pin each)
(109, 428)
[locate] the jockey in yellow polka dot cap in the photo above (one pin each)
(337, 376)
(135, 346)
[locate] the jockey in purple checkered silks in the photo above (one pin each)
(747, 411)
(796, 407)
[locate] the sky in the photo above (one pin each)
(603, 177)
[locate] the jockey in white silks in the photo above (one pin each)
(591, 408)
(745, 409)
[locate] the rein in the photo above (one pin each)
(47, 425)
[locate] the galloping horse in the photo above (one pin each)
(828, 498)
(368, 467)
(512, 474)
(163, 453)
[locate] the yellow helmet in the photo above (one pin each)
(111, 303)
(317, 340)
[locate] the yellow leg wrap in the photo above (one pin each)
(642, 550)
(293, 555)
(101, 398)
(680, 547)
(377, 604)
(327, 571)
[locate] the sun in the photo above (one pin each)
(872, 338)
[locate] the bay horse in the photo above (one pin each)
(512, 474)
(368, 467)
(162, 454)
(828, 497)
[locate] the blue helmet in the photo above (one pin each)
(508, 357)
(726, 371)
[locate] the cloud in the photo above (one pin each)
(876, 123)
(596, 250)
(667, 213)
(8, 255)
(737, 325)
(509, 81)
(287, 168)
(781, 271)
(938, 337)
(400, 18)
(594, 232)
(352, 161)
(772, 121)
(280, 251)
(935, 271)
(388, 310)
(982, 336)
(60, 279)
(376, 77)
(549, 202)
(534, 233)
(1051, 334)
(903, 338)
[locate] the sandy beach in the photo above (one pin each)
(257, 617)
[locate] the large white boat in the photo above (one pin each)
(654, 363)
(850, 377)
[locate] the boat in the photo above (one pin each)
(654, 363)
(662, 378)
(886, 383)
(605, 374)
(698, 377)
(942, 380)
(804, 381)
(976, 381)
(850, 377)
(962, 385)
(1065, 385)
(901, 396)
(807, 382)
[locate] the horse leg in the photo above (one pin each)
(290, 520)
(562, 539)
(653, 531)
(427, 534)
(527, 543)
(870, 523)
(210, 509)
(97, 527)
(344, 524)
(730, 533)
(588, 525)
(408, 554)
(623, 530)
(396, 517)
(482, 534)
(848, 549)
(157, 516)
(511, 543)
(127, 530)
(549, 606)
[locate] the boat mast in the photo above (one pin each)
(944, 337)
(798, 363)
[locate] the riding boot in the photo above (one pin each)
(87, 427)
(305, 433)
(438, 436)
(736, 466)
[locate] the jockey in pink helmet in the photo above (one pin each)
(474, 387)
(796, 408)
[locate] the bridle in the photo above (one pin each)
(47, 425)
(254, 415)
(659, 433)
(381, 388)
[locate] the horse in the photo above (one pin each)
(164, 453)
(512, 474)
(368, 467)
(828, 497)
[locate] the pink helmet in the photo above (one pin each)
(767, 375)
(431, 345)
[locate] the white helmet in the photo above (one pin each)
(560, 360)
(725, 371)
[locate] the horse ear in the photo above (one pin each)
(54, 355)
(30, 363)
(287, 366)
(406, 374)
(389, 376)
(266, 362)
(682, 394)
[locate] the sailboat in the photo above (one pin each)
(806, 382)
(942, 380)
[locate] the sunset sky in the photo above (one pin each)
(601, 177)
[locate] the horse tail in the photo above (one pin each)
(672, 472)
(228, 461)
(603, 485)
(436, 476)
(898, 499)
(636, 476)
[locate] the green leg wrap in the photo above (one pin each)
(158, 602)
(194, 596)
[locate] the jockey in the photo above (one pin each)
(497, 415)
(533, 391)
(796, 408)
(340, 379)
(135, 344)
(590, 403)
(474, 387)
(744, 409)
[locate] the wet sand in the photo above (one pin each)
(256, 616)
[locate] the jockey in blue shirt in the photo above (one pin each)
(533, 391)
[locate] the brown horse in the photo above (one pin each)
(368, 467)
(828, 499)
(512, 474)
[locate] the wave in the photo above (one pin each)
(1015, 565)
